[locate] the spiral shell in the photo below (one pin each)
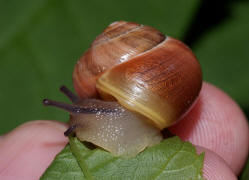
(145, 71)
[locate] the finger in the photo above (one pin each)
(215, 168)
(28, 150)
(217, 123)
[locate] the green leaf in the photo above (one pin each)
(171, 159)
(64, 166)
(223, 54)
(41, 40)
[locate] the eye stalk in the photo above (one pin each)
(73, 97)
(76, 108)
(68, 107)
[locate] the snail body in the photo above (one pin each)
(153, 79)
(108, 125)
(114, 128)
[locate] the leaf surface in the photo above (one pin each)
(171, 159)
(64, 166)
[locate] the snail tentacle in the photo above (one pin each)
(70, 130)
(68, 107)
(77, 109)
(73, 97)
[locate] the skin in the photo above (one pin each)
(215, 125)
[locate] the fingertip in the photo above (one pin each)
(217, 123)
(215, 168)
(29, 149)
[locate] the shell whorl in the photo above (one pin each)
(119, 42)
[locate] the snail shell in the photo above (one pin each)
(146, 72)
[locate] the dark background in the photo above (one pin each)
(41, 40)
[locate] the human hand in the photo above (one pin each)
(215, 125)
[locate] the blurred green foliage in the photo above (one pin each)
(223, 53)
(41, 40)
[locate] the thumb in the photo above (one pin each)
(28, 150)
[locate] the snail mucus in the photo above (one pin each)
(146, 82)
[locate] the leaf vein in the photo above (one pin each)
(167, 162)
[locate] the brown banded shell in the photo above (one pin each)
(156, 76)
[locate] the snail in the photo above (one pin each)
(146, 81)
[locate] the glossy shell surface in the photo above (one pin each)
(156, 76)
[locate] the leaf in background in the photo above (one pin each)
(245, 173)
(223, 54)
(40, 41)
(171, 159)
